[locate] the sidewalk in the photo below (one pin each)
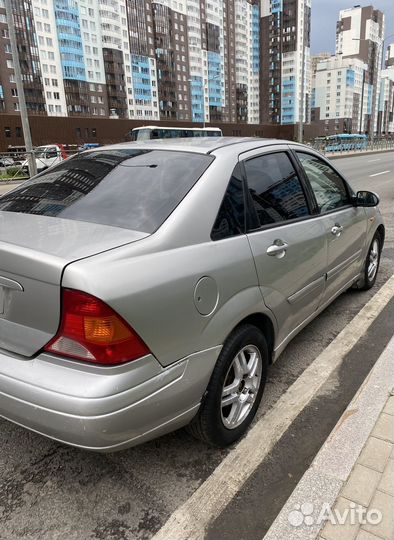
(347, 493)
(369, 487)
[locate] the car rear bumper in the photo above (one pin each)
(103, 409)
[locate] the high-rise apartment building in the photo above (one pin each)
(390, 56)
(360, 34)
(285, 61)
(386, 102)
(338, 100)
(247, 61)
(386, 98)
(192, 60)
(29, 60)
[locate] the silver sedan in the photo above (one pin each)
(148, 286)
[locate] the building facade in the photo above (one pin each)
(390, 56)
(339, 96)
(29, 60)
(360, 35)
(151, 60)
(285, 61)
(386, 98)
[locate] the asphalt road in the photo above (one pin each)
(51, 491)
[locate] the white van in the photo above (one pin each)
(46, 156)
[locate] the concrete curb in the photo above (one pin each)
(332, 466)
(12, 182)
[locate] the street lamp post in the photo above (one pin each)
(20, 90)
(301, 119)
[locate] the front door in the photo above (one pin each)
(345, 224)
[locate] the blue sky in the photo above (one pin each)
(325, 15)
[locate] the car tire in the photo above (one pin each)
(239, 375)
(371, 265)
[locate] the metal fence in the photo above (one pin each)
(370, 146)
(14, 165)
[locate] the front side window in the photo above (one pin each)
(328, 187)
(230, 220)
(275, 190)
(132, 189)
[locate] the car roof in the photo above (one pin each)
(170, 127)
(201, 145)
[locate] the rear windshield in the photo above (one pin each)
(132, 189)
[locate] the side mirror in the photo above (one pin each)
(366, 199)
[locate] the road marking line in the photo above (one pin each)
(373, 160)
(378, 173)
(192, 518)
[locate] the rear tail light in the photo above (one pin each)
(92, 331)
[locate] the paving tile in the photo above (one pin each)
(365, 535)
(375, 454)
(384, 504)
(389, 407)
(347, 531)
(361, 485)
(387, 481)
(384, 428)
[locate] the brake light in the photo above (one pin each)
(92, 331)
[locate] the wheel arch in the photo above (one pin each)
(382, 232)
(263, 323)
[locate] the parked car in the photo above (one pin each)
(88, 146)
(6, 162)
(148, 286)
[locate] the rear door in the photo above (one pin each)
(287, 239)
(345, 225)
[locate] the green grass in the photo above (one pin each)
(13, 173)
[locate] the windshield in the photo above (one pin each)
(132, 189)
(40, 151)
(141, 134)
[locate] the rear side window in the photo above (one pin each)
(132, 189)
(230, 220)
(328, 187)
(275, 190)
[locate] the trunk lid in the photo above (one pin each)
(34, 250)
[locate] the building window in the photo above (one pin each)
(7, 132)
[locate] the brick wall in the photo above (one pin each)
(79, 130)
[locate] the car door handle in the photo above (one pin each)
(337, 230)
(278, 249)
